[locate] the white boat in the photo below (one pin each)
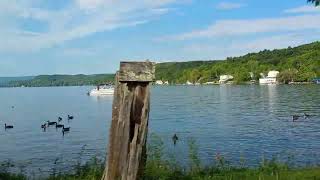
(270, 79)
(104, 90)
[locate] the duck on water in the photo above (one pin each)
(305, 116)
(65, 130)
(59, 126)
(8, 126)
(51, 123)
(175, 139)
(70, 117)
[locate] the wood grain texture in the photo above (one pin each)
(129, 126)
(137, 72)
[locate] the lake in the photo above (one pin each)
(239, 122)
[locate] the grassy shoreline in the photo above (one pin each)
(159, 166)
(162, 170)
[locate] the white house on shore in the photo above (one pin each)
(159, 82)
(225, 78)
(270, 79)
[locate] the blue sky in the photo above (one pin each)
(93, 36)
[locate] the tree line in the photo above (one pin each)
(299, 64)
(63, 80)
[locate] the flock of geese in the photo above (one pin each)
(58, 125)
(48, 124)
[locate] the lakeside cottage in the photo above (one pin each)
(270, 79)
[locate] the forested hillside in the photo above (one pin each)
(6, 80)
(300, 63)
(63, 80)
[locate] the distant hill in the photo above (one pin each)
(62, 80)
(300, 63)
(4, 81)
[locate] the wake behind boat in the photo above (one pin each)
(102, 90)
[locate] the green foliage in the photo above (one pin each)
(193, 156)
(268, 170)
(5, 80)
(315, 2)
(301, 63)
(289, 75)
(160, 168)
(5, 174)
(92, 170)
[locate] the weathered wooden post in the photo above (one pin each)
(129, 126)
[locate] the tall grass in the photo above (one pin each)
(164, 166)
(159, 167)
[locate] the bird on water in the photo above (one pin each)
(44, 126)
(70, 117)
(8, 126)
(51, 123)
(59, 126)
(64, 130)
(295, 117)
(175, 139)
(305, 115)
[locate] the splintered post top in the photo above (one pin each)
(136, 71)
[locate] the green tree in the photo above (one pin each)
(287, 76)
(316, 2)
(304, 59)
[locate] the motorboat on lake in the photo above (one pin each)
(102, 90)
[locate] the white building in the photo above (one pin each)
(270, 79)
(159, 82)
(273, 74)
(209, 83)
(189, 83)
(225, 78)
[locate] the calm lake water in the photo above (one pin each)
(239, 122)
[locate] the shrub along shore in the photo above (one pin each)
(159, 167)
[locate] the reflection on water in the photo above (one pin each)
(272, 96)
(235, 121)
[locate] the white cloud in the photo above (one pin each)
(276, 41)
(303, 9)
(79, 19)
(91, 4)
(224, 28)
(229, 5)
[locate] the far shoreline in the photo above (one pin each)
(194, 85)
